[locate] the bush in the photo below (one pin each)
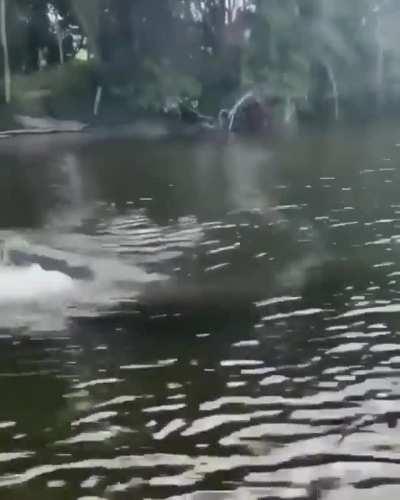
(57, 89)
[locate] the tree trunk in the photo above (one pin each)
(60, 42)
(380, 65)
(97, 100)
(229, 12)
(6, 62)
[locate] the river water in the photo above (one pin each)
(207, 320)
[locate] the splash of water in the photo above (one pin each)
(74, 185)
(32, 284)
(43, 296)
(4, 258)
(289, 112)
(31, 295)
(334, 87)
(233, 112)
(74, 206)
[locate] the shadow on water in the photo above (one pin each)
(233, 326)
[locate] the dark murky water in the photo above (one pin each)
(230, 329)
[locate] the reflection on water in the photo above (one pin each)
(232, 330)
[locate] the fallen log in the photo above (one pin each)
(4, 134)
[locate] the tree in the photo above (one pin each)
(334, 56)
(4, 43)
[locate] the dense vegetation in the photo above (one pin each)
(126, 58)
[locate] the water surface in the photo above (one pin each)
(224, 321)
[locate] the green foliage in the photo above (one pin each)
(146, 52)
(156, 86)
(274, 56)
(165, 83)
(74, 81)
(74, 78)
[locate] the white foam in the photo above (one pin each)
(32, 284)
(42, 300)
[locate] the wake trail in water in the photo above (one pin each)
(41, 280)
